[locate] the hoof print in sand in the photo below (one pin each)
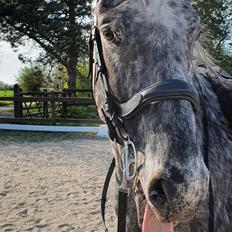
(7, 227)
(23, 212)
(20, 205)
(3, 194)
(37, 224)
(66, 228)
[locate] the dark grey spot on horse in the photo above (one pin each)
(172, 4)
(107, 4)
(177, 58)
(176, 175)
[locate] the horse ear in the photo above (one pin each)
(111, 3)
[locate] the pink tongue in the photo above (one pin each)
(150, 224)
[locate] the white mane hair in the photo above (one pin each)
(202, 59)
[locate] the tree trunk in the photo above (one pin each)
(72, 51)
(72, 78)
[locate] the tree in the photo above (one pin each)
(59, 76)
(4, 86)
(31, 78)
(57, 26)
(216, 16)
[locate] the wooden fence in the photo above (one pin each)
(46, 107)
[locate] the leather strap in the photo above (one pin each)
(165, 90)
(122, 201)
(122, 210)
(105, 190)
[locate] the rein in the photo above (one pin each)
(116, 113)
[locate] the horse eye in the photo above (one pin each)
(108, 34)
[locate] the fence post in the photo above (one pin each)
(45, 105)
(53, 105)
(64, 104)
(18, 109)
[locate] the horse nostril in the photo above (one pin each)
(170, 190)
(162, 190)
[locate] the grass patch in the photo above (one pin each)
(6, 103)
(82, 112)
(6, 93)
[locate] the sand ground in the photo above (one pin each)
(7, 111)
(52, 182)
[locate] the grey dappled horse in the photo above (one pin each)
(150, 41)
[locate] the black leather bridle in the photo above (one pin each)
(116, 113)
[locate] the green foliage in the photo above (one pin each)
(58, 26)
(82, 112)
(83, 81)
(6, 93)
(31, 78)
(216, 17)
(60, 76)
(6, 103)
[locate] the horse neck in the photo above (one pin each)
(219, 134)
(219, 152)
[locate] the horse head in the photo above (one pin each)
(146, 42)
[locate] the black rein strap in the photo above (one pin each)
(105, 190)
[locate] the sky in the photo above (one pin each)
(10, 65)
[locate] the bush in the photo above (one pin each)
(31, 78)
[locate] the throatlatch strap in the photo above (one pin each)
(105, 190)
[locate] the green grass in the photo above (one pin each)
(6, 93)
(82, 112)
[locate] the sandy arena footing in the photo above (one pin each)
(52, 182)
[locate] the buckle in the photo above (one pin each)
(129, 162)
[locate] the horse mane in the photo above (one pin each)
(203, 61)
(220, 80)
